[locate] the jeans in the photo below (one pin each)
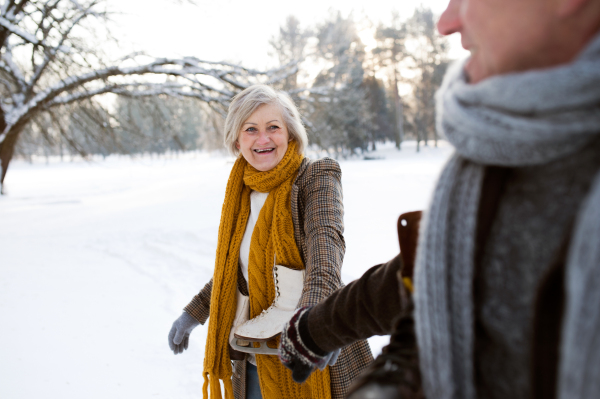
(252, 385)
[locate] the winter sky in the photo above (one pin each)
(238, 30)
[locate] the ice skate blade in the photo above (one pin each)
(255, 339)
(263, 349)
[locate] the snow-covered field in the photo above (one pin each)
(97, 260)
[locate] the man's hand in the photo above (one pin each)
(298, 351)
(179, 336)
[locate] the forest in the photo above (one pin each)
(356, 82)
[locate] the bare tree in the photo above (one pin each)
(47, 63)
(164, 123)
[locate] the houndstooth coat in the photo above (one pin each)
(317, 213)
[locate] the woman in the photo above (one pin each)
(278, 204)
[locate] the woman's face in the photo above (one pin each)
(263, 138)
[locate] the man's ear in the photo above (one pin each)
(568, 8)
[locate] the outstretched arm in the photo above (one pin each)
(366, 307)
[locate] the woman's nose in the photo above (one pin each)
(263, 137)
(450, 20)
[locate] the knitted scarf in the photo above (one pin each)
(273, 235)
(514, 120)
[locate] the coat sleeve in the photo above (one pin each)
(365, 307)
(199, 307)
(323, 220)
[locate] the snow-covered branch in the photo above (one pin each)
(9, 66)
(194, 71)
(46, 69)
(19, 32)
(51, 54)
(139, 90)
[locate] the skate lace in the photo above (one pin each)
(277, 294)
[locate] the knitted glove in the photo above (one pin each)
(179, 336)
(297, 350)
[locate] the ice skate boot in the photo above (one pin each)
(268, 325)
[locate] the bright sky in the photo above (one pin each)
(237, 30)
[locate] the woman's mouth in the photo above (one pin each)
(264, 150)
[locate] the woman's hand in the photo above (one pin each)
(180, 332)
(298, 351)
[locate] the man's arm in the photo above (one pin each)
(365, 307)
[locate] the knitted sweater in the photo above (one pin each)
(535, 213)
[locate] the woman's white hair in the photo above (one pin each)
(246, 102)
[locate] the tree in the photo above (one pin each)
(431, 59)
(390, 52)
(290, 47)
(164, 123)
(339, 113)
(382, 126)
(48, 63)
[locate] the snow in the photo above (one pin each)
(99, 258)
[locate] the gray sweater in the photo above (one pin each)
(534, 214)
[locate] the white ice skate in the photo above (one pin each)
(268, 325)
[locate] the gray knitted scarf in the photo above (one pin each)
(513, 120)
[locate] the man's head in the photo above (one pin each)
(517, 35)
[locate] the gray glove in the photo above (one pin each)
(179, 336)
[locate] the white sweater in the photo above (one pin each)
(257, 200)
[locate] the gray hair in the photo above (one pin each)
(246, 102)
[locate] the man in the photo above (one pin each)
(507, 285)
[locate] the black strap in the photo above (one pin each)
(548, 316)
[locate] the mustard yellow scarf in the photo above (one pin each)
(273, 234)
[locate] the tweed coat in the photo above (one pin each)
(317, 213)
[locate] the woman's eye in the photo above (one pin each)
(273, 127)
(251, 129)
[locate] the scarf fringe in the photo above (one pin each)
(215, 387)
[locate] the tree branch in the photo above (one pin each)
(50, 54)
(174, 67)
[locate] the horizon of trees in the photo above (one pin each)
(352, 96)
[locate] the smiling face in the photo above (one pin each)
(505, 35)
(263, 138)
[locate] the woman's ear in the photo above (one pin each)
(237, 145)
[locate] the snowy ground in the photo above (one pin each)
(97, 260)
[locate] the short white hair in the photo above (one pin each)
(245, 103)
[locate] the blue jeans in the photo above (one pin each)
(252, 384)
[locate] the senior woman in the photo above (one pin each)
(278, 204)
